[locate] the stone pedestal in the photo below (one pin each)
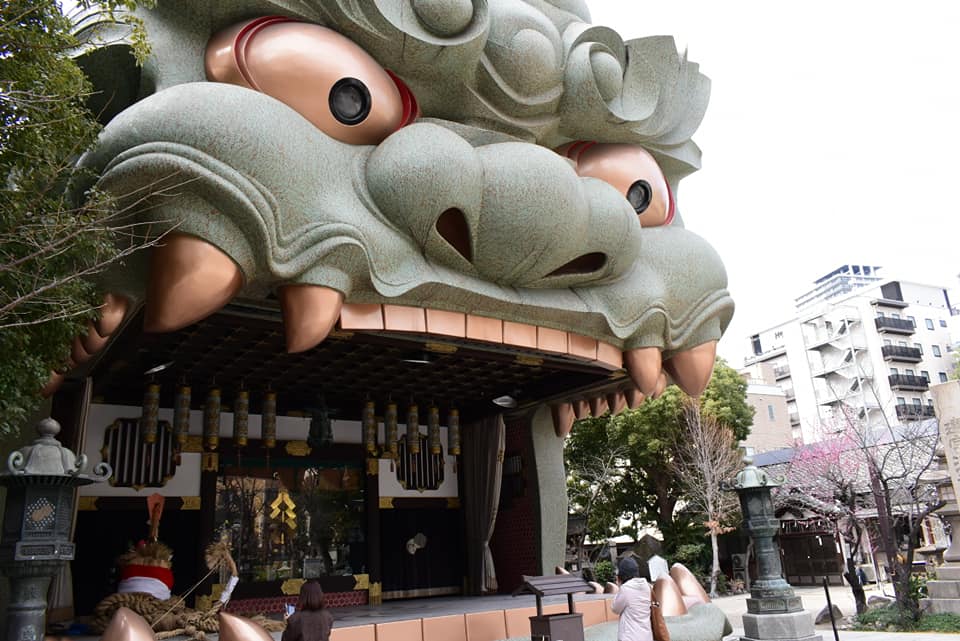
(945, 590)
(785, 626)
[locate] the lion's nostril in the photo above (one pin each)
(453, 227)
(586, 264)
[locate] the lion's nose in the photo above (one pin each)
(512, 213)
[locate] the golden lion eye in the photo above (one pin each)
(322, 75)
(632, 171)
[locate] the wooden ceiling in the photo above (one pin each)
(244, 345)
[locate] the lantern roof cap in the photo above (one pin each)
(751, 477)
(46, 457)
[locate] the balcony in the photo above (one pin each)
(914, 412)
(894, 325)
(781, 372)
(901, 353)
(794, 419)
(891, 302)
(908, 382)
(789, 393)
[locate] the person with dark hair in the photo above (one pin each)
(312, 621)
(632, 603)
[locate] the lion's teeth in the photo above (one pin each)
(643, 365)
(112, 312)
(309, 313)
(562, 418)
(691, 369)
(189, 280)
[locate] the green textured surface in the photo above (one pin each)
(499, 84)
(551, 491)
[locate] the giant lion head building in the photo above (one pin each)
(400, 246)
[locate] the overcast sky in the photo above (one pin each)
(832, 136)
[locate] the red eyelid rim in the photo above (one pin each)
(243, 37)
(411, 110)
(672, 210)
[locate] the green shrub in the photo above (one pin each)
(939, 623)
(890, 618)
(603, 571)
(882, 619)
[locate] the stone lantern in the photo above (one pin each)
(774, 611)
(35, 540)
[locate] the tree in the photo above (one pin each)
(827, 478)
(595, 467)
(646, 491)
(705, 458)
(857, 467)
(51, 243)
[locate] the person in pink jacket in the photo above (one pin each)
(632, 603)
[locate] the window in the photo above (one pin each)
(912, 320)
(135, 463)
(894, 371)
(917, 402)
(925, 374)
(902, 343)
(887, 342)
(908, 372)
(943, 377)
(943, 323)
(894, 315)
(919, 347)
(929, 323)
(901, 400)
(936, 350)
(770, 412)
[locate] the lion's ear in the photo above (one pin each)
(106, 57)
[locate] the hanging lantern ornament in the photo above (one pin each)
(390, 427)
(369, 425)
(413, 430)
(433, 430)
(181, 414)
(269, 420)
(241, 418)
(453, 433)
(211, 419)
(148, 419)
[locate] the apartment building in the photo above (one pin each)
(875, 348)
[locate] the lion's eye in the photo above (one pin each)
(632, 171)
(350, 101)
(322, 75)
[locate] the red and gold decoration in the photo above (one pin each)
(269, 420)
(241, 418)
(433, 430)
(413, 430)
(148, 419)
(390, 430)
(368, 423)
(453, 433)
(181, 415)
(211, 419)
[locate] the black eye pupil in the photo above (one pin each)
(350, 101)
(639, 195)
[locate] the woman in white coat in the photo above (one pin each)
(632, 603)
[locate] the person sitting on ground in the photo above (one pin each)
(632, 603)
(312, 621)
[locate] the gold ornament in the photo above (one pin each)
(148, 419)
(269, 420)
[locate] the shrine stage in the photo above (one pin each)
(488, 618)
